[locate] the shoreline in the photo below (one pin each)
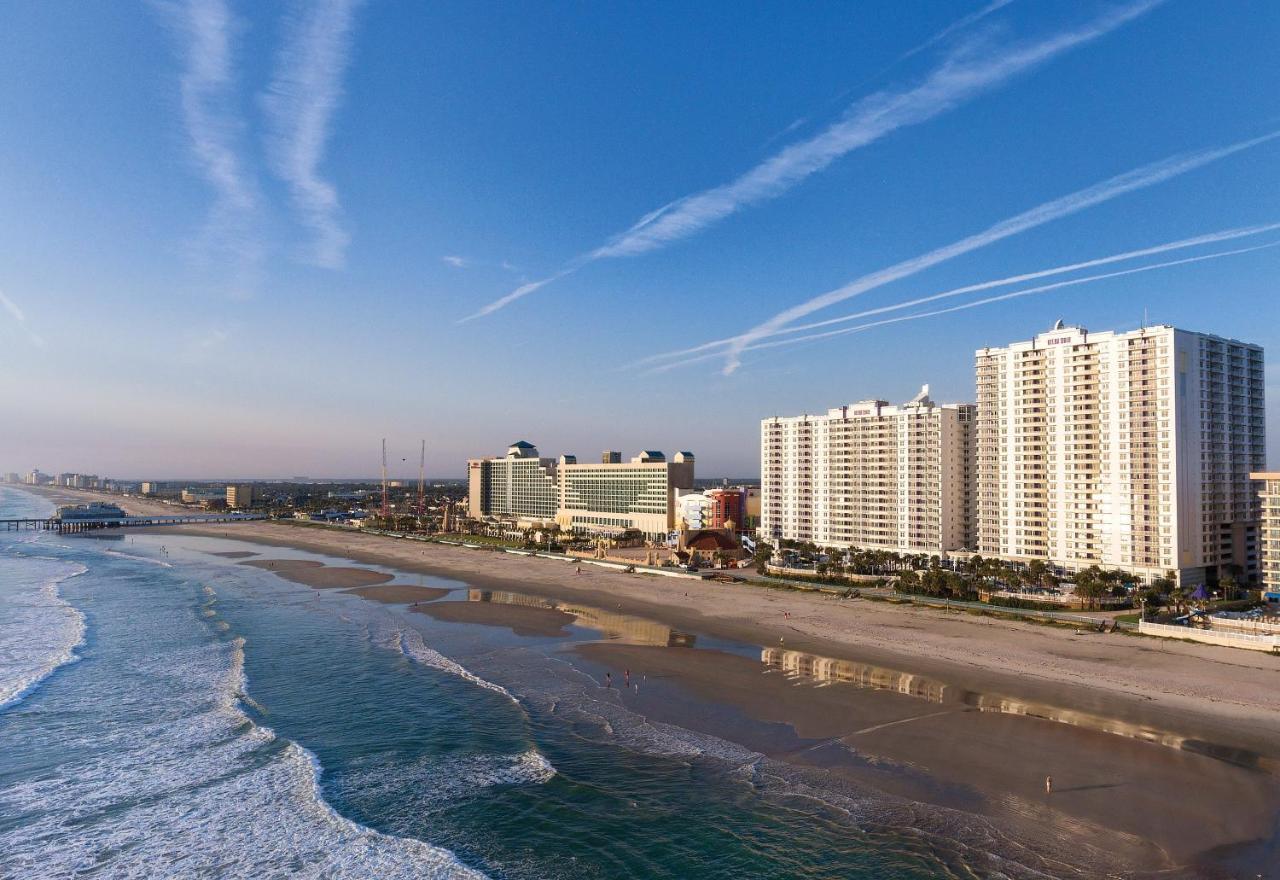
(1214, 693)
(826, 692)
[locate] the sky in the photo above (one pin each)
(252, 240)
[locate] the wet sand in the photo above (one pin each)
(399, 594)
(523, 620)
(1148, 804)
(1216, 694)
(235, 554)
(319, 575)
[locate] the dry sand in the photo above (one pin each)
(523, 620)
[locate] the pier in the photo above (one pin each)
(74, 525)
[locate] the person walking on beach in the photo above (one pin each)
(626, 677)
(608, 679)
(1048, 785)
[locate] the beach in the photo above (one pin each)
(1162, 753)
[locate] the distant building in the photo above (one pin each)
(12, 477)
(870, 475)
(610, 457)
(712, 509)
(1127, 450)
(241, 496)
(151, 488)
(202, 495)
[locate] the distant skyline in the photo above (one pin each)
(252, 240)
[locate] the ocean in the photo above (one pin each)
(165, 712)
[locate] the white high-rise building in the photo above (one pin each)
(1125, 450)
(871, 475)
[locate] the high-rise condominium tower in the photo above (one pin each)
(870, 475)
(1125, 450)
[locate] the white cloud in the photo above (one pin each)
(213, 127)
(455, 261)
(300, 104)
(962, 76)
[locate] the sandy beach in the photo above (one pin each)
(963, 711)
(1215, 693)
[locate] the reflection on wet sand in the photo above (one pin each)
(829, 670)
(610, 624)
(826, 670)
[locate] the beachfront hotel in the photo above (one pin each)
(519, 486)
(613, 496)
(1269, 534)
(606, 496)
(1127, 450)
(870, 475)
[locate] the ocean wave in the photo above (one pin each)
(196, 790)
(411, 644)
(402, 792)
(41, 631)
(135, 558)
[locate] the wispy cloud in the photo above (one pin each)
(1166, 247)
(300, 104)
(455, 261)
(962, 76)
(20, 319)
(213, 127)
(1139, 178)
(1029, 291)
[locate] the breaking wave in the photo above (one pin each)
(39, 630)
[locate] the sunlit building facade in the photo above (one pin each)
(870, 475)
(1126, 450)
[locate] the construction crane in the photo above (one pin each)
(386, 511)
(422, 472)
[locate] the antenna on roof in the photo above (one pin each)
(1144, 317)
(1057, 325)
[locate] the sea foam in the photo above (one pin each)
(39, 630)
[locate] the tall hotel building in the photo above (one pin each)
(519, 486)
(608, 496)
(1125, 450)
(871, 475)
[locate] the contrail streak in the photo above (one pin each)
(1181, 244)
(961, 77)
(1139, 178)
(1043, 288)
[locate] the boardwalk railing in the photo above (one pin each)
(1211, 636)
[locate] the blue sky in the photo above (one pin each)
(253, 239)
